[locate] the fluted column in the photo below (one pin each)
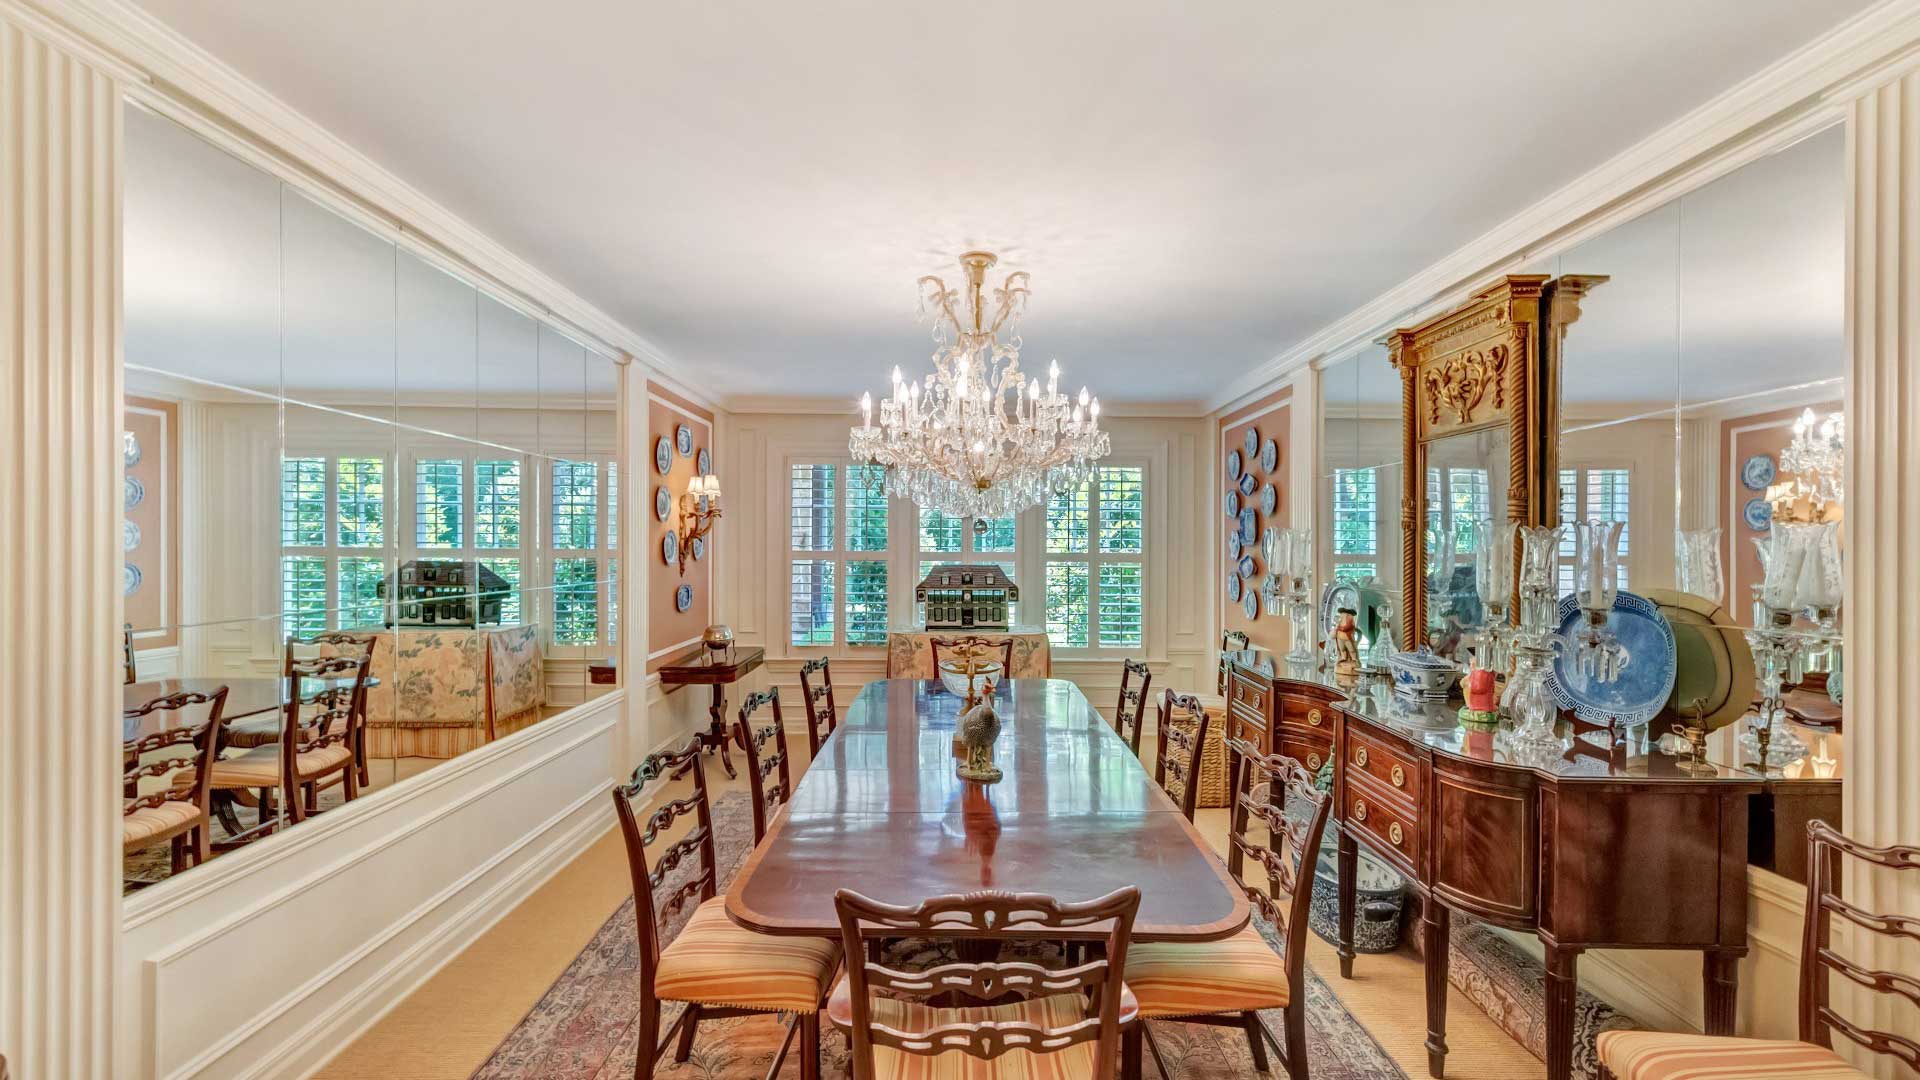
(59, 572)
(1882, 789)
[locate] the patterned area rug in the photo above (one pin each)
(583, 1027)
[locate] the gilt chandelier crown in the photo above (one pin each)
(977, 437)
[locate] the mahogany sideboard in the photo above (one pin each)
(1606, 844)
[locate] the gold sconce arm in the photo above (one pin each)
(695, 523)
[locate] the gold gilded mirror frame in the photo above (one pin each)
(1492, 363)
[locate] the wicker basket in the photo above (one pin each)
(1213, 756)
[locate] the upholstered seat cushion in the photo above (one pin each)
(1239, 974)
(1659, 1055)
(260, 767)
(715, 961)
(153, 822)
(1060, 1010)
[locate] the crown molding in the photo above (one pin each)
(1801, 93)
(814, 405)
(162, 70)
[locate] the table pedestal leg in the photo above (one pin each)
(716, 736)
(1348, 860)
(1434, 919)
(1720, 974)
(1562, 986)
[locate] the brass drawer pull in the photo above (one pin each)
(1360, 757)
(1394, 834)
(1399, 776)
(1359, 810)
(1313, 762)
(1313, 717)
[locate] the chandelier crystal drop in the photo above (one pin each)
(1817, 458)
(976, 437)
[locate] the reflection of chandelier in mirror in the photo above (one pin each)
(975, 438)
(1817, 459)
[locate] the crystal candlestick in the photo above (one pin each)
(1527, 700)
(1298, 593)
(1599, 655)
(1700, 570)
(1493, 582)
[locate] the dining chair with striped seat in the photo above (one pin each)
(1181, 740)
(713, 965)
(1276, 821)
(315, 749)
(178, 814)
(822, 716)
(1130, 712)
(1659, 1055)
(974, 644)
(766, 752)
(1062, 1023)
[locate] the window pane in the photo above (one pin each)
(999, 536)
(360, 602)
(1569, 513)
(1352, 571)
(303, 594)
(938, 531)
(496, 504)
(509, 590)
(812, 509)
(1607, 500)
(613, 506)
(362, 501)
(1067, 521)
(867, 602)
(1467, 503)
(1356, 501)
(576, 613)
(436, 502)
(1122, 510)
(812, 614)
(866, 509)
(303, 502)
(1121, 607)
(613, 600)
(576, 505)
(1067, 604)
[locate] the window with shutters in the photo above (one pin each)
(1095, 559)
(1356, 524)
(837, 540)
(948, 539)
(334, 514)
(1594, 494)
(1457, 497)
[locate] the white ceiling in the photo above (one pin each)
(755, 186)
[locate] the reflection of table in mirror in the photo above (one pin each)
(706, 667)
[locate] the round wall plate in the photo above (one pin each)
(129, 536)
(699, 547)
(683, 598)
(1233, 588)
(1269, 500)
(663, 455)
(1233, 502)
(704, 462)
(129, 579)
(1250, 603)
(683, 438)
(134, 492)
(662, 503)
(130, 448)
(1758, 514)
(1234, 546)
(1269, 455)
(1233, 464)
(1252, 442)
(669, 547)
(1757, 472)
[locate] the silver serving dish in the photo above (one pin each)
(1423, 675)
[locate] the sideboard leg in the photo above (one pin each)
(1562, 985)
(1720, 973)
(717, 730)
(1433, 925)
(1348, 862)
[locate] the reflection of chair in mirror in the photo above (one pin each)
(977, 645)
(315, 749)
(1182, 739)
(129, 674)
(770, 792)
(1230, 641)
(1130, 712)
(822, 716)
(177, 813)
(1645, 1055)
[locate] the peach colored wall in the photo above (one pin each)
(666, 411)
(1272, 416)
(1741, 438)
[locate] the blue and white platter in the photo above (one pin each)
(1247, 566)
(1269, 500)
(1233, 545)
(683, 598)
(1646, 677)
(1250, 603)
(683, 438)
(1251, 443)
(669, 547)
(1233, 502)
(1249, 526)
(1248, 482)
(1757, 472)
(133, 492)
(1233, 588)
(704, 462)
(1269, 455)
(699, 548)
(663, 455)
(662, 503)
(1758, 514)
(1233, 464)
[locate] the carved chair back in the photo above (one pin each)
(204, 739)
(1130, 712)
(1818, 958)
(1182, 738)
(655, 901)
(822, 716)
(335, 643)
(988, 915)
(129, 670)
(1230, 641)
(1277, 819)
(327, 717)
(974, 643)
(766, 750)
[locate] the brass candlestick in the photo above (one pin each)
(1696, 735)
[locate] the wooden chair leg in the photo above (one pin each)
(350, 782)
(1256, 1040)
(810, 1046)
(1296, 1017)
(649, 1038)
(1130, 1041)
(683, 1049)
(178, 854)
(202, 842)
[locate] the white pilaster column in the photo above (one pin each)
(1882, 789)
(636, 559)
(59, 568)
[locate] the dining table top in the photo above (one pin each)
(880, 810)
(253, 703)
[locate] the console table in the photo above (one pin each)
(706, 667)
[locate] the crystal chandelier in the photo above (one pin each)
(1818, 460)
(975, 437)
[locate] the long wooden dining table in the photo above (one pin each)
(881, 811)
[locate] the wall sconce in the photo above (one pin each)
(699, 509)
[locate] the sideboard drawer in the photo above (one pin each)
(1248, 694)
(1305, 715)
(1384, 824)
(1387, 765)
(1248, 729)
(1308, 751)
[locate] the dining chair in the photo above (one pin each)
(1230, 641)
(350, 643)
(1181, 740)
(130, 672)
(1277, 818)
(1644, 1055)
(1130, 712)
(316, 743)
(717, 967)
(764, 765)
(1063, 1022)
(178, 813)
(973, 641)
(819, 715)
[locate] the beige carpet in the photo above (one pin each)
(449, 1026)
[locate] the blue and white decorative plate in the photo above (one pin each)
(1234, 546)
(662, 503)
(683, 598)
(704, 462)
(129, 579)
(663, 455)
(130, 448)
(1269, 500)
(1757, 472)
(1758, 514)
(1251, 442)
(1247, 483)
(1233, 588)
(1269, 455)
(133, 492)
(1646, 677)
(699, 548)
(1233, 503)
(129, 536)
(1249, 526)
(1247, 566)
(1250, 603)
(669, 547)
(1233, 464)
(683, 438)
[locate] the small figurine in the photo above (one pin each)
(978, 728)
(1345, 640)
(1482, 708)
